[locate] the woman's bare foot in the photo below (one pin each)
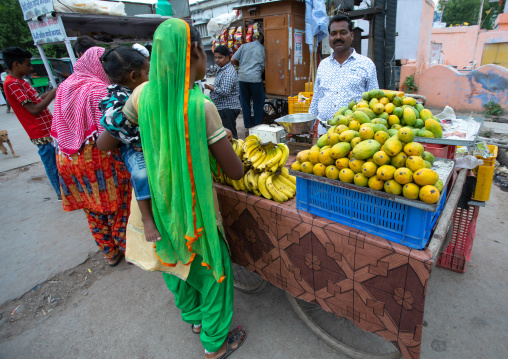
(151, 232)
(234, 340)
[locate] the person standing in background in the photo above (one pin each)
(31, 109)
(251, 59)
(82, 44)
(224, 93)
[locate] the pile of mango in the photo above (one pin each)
(393, 163)
(388, 112)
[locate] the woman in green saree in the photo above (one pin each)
(179, 130)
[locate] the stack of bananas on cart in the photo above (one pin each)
(265, 174)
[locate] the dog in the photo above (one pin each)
(4, 138)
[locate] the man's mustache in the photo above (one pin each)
(338, 41)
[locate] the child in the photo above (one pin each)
(127, 68)
(31, 109)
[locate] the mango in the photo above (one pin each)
(346, 175)
(376, 94)
(406, 135)
(381, 158)
(396, 127)
(381, 136)
(366, 149)
(319, 169)
(333, 121)
(419, 123)
(398, 111)
(340, 150)
(348, 135)
(383, 115)
(434, 127)
(341, 128)
(411, 191)
(361, 180)
(425, 114)
(393, 132)
(429, 194)
(372, 102)
(342, 163)
(366, 133)
(322, 141)
(425, 133)
(333, 139)
(366, 96)
(409, 117)
(427, 164)
(414, 163)
(392, 146)
(399, 160)
(408, 101)
(354, 125)
(341, 111)
(389, 107)
(331, 130)
(379, 127)
(327, 147)
(342, 120)
(361, 105)
(379, 121)
(414, 149)
(313, 157)
(368, 112)
(368, 124)
(348, 112)
(369, 169)
(315, 148)
(303, 156)
(296, 166)
(356, 165)
(351, 104)
(419, 107)
(375, 183)
(439, 185)
(427, 156)
(393, 120)
(403, 175)
(361, 117)
(385, 172)
(425, 176)
(307, 167)
(355, 141)
(325, 157)
(390, 95)
(378, 108)
(332, 172)
(393, 187)
(384, 100)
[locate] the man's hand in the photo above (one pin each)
(209, 87)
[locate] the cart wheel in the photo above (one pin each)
(246, 281)
(341, 334)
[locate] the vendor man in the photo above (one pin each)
(344, 75)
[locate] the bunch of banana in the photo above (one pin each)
(238, 147)
(268, 157)
(277, 187)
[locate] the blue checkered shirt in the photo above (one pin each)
(337, 85)
(226, 94)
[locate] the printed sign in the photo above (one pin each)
(35, 8)
(47, 31)
(298, 48)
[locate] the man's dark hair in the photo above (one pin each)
(223, 50)
(13, 54)
(82, 44)
(195, 36)
(339, 18)
(120, 61)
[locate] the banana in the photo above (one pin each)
(256, 192)
(247, 184)
(256, 164)
(282, 187)
(253, 137)
(287, 182)
(251, 150)
(256, 180)
(285, 154)
(276, 194)
(251, 179)
(248, 144)
(262, 185)
(275, 159)
(255, 155)
(241, 184)
(285, 173)
(274, 168)
(235, 185)
(270, 154)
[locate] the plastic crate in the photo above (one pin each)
(484, 176)
(394, 221)
(458, 251)
(299, 107)
(441, 151)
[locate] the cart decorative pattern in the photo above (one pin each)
(377, 284)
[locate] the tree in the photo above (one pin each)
(14, 31)
(460, 11)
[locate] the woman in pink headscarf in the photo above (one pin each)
(92, 180)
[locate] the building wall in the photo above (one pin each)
(409, 19)
(445, 86)
(427, 18)
(458, 44)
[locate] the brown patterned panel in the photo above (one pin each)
(377, 284)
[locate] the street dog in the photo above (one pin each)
(4, 138)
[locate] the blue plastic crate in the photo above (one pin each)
(394, 221)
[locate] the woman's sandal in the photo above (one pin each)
(236, 334)
(193, 329)
(114, 262)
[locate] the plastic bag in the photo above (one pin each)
(217, 24)
(468, 162)
(90, 7)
